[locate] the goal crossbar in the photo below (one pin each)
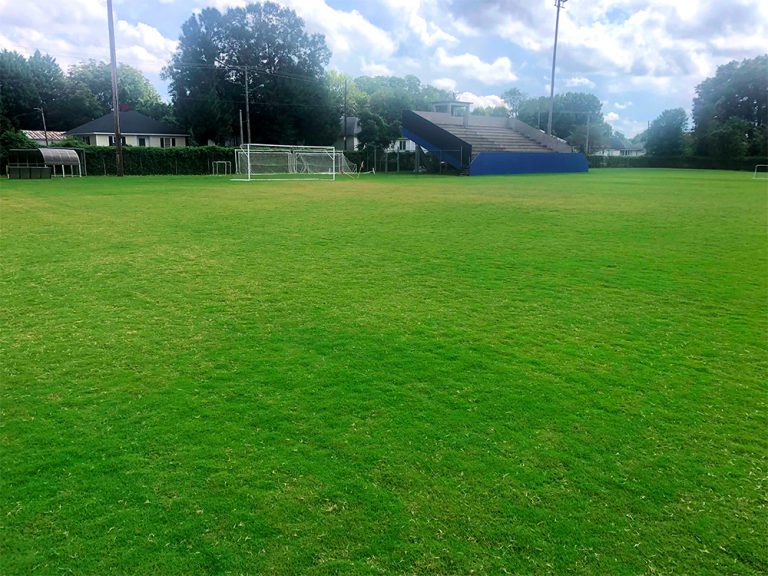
(761, 172)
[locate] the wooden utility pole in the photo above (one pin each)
(247, 107)
(345, 114)
(115, 99)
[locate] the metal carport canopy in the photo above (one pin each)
(60, 156)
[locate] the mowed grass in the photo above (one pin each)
(550, 374)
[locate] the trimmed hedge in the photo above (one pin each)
(101, 160)
(689, 162)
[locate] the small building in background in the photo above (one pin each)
(136, 129)
(402, 145)
(631, 151)
(43, 137)
(347, 138)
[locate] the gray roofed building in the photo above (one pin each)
(136, 129)
(347, 139)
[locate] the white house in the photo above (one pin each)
(136, 129)
(402, 145)
(632, 151)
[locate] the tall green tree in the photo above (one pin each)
(575, 115)
(500, 111)
(50, 87)
(730, 110)
(666, 134)
(288, 98)
(134, 90)
(385, 99)
(514, 98)
(18, 94)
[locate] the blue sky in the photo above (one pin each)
(639, 57)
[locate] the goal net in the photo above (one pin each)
(761, 172)
(274, 162)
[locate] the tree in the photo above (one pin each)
(374, 131)
(501, 111)
(665, 135)
(134, 90)
(534, 111)
(50, 85)
(288, 98)
(9, 140)
(387, 96)
(18, 95)
(514, 99)
(738, 91)
(577, 118)
(336, 83)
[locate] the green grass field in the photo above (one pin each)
(550, 374)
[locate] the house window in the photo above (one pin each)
(143, 141)
(402, 145)
(86, 140)
(112, 140)
(167, 142)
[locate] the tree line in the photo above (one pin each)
(729, 117)
(258, 63)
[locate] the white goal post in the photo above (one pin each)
(761, 172)
(280, 162)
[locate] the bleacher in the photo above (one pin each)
(497, 139)
(488, 144)
(495, 134)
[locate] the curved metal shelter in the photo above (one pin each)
(41, 162)
(54, 157)
(60, 156)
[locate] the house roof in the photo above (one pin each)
(131, 122)
(40, 135)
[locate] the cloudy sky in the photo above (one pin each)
(639, 57)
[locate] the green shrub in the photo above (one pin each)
(688, 162)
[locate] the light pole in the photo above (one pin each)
(115, 100)
(559, 4)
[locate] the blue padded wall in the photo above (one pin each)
(487, 163)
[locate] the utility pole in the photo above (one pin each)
(115, 100)
(241, 127)
(247, 107)
(559, 4)
(589, 117)
(45, 128)
(345, 114)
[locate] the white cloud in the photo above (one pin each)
(481, 101)
(374, 69)
(143, 46)
(622, 105)
(579, 82)
(612, 117)
(76, 31)
(409, 12)
(471, 66)
(448, 84)
(347, 33)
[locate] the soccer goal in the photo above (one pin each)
(278, 162)
(761, 172)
